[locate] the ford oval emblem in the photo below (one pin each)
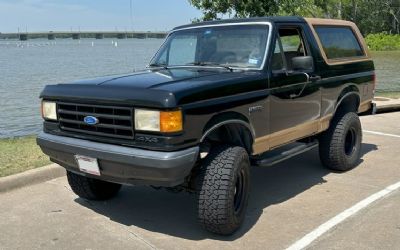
(91, 120)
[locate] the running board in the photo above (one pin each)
(280, 154)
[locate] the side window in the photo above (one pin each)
(185, 47)
(292, 45)
(339, 42)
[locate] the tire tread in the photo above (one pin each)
(217, 177)
(331, 143)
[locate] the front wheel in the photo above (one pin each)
(92, 189)
(340, 145)
(223, 189)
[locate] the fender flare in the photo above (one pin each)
(345, 96)
(229, 121)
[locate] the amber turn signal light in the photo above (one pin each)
(171, 121)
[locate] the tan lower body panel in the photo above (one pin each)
(264, 143)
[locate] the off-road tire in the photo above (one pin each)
(92, 189)
(340, 145)
(223, 189)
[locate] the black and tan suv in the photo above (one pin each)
(216, 98)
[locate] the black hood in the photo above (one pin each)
(161, 88)
(149, 79)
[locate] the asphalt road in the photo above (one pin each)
(287, 202)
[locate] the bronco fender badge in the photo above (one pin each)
(255, 109)
(90, 120)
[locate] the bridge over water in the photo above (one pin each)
(51, 35)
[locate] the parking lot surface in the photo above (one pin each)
(288, 201)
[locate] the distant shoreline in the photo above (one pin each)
(76, 35)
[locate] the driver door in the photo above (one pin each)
(295, 102)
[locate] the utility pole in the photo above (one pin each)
(131, 14)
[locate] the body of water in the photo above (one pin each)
(26, 67)
(387, 68)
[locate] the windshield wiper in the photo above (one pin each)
(211, 64)
(165, 66)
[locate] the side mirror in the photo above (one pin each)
(302, 63)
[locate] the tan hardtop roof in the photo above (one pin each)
(324, 21)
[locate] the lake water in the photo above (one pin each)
(387, 66)
(25, 67)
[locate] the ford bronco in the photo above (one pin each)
(217, 98)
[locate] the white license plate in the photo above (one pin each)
(88, 164)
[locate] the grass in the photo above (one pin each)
(395, 95)
(20, 154)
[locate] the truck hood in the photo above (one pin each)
(159, 88)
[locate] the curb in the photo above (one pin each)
(31, 177)
(387, 108)
(384, 104)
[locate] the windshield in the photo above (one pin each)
(241, 46)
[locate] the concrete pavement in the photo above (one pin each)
(287, 201)
(377, 227)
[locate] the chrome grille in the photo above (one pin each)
(115, 122)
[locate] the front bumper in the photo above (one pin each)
(121, 164)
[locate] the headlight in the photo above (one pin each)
(49, 110)
(147, 120)
(159, 121)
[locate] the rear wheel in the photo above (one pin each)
(340, 145)
(92, 189)
(223, 189)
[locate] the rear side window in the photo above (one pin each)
(339, 42)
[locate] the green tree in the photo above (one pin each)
(372, 16)
(237, 8)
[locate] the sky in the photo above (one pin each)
(94, 15)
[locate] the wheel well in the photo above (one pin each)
(233, 130)
(349, 102)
